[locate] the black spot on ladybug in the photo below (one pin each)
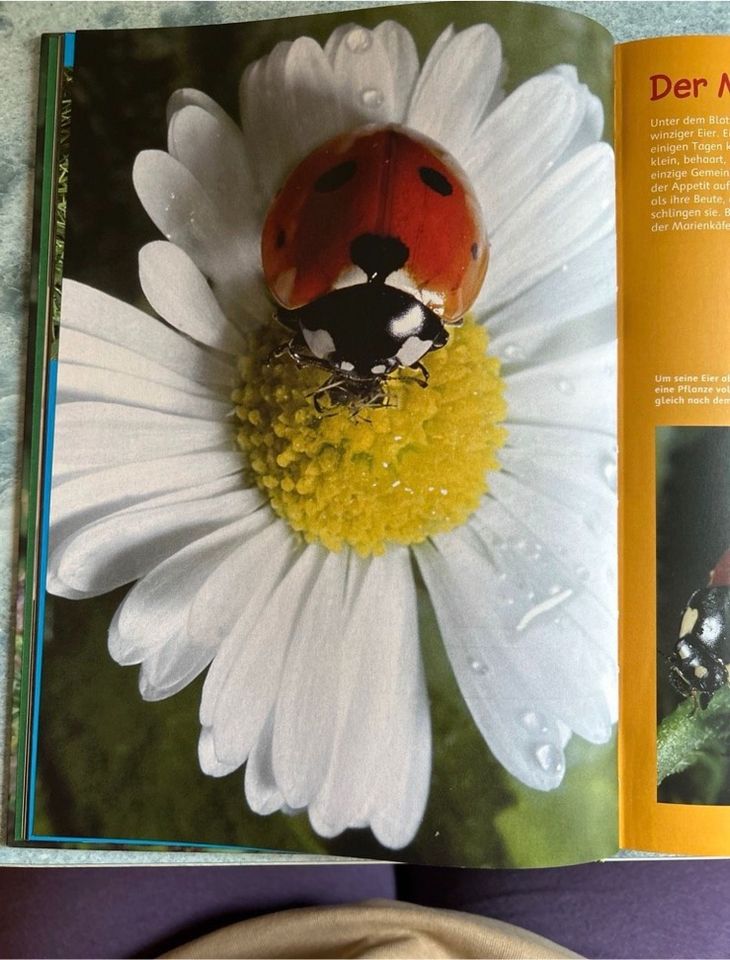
(435, 181)
(378, 256)
(336, 177)
(280, 239)
(474, 251)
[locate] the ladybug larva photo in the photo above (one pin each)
(332, 563)
(693, 614)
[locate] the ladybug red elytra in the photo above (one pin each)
(372, 247)
(701, 657)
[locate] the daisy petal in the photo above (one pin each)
(566, 214)
(403, 56)
(303, 731)
(295, 83)
(549, 611)
(189, 97)
(180, 208)
(554, 544)
(463, 68)
(90, 351)
(212, 148)
(171, 668)
(576, 391)
(511, 668)
(83, 500)
(99, 435)
(124, 546)
(382, 728)
(251, 659)
(209, 763)
(119, 337)
(262, 793)
(98, 385)
(516, 145)
(156, 609)
(241, 576)
(591, 126)
(367, 76)
(568, 311)
(179, 292)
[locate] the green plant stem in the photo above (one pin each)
(688, 733)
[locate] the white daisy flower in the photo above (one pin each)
(277, 548)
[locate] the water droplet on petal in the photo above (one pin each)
(477, 667)
(608, 469)
(533, 722)
(358, 40)
(549, 758)
(554, 589)
(565, 387)
(372, 97)
(513, 352)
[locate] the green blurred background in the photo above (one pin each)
(111, 765)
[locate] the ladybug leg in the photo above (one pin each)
(278, 352)
(378, 399)
(421, 381)
(294, 349)
(327, 389)
(424, 374)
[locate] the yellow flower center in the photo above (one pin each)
(388, 475)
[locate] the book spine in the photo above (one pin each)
(36, 435)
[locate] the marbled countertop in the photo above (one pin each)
(21, 25)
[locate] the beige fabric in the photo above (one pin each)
(376, 928)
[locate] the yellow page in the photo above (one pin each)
(673, 135)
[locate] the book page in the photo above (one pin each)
(673, 145)
(329, 556)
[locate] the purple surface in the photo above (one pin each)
(641, 909)
(143, 911)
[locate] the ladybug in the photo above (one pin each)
(372, 248)
(700, 662)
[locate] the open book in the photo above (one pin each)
(319, 542)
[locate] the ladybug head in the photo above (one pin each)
(378, 256)
(366, 331)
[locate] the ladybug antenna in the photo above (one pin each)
(378, 256)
